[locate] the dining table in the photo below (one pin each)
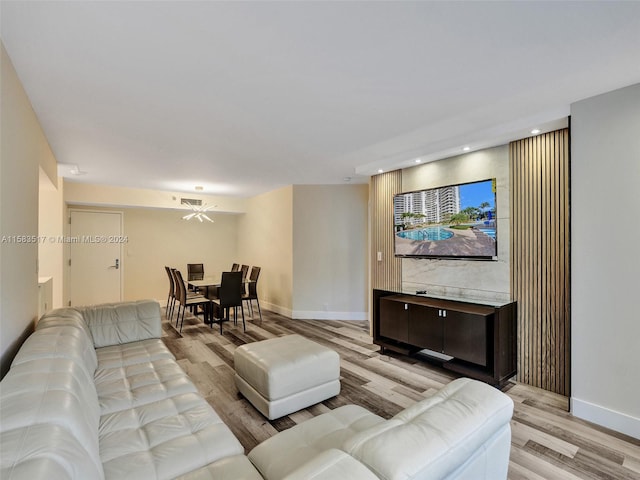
(206, 286)
(209, 285)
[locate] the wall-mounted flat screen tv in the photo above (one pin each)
(453, 222)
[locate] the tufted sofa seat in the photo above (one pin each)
(95, 394)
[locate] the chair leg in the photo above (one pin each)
(259, 311)
(178, 315)
(173, 307)
(208, 315)
(182, 321)
(223, 314)
(244, 326)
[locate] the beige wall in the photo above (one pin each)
(23, 147)
(159, 237)
(50, 229)
(482, 280)
(605, 171)
(265, 239)
(330, 251)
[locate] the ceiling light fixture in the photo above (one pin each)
(466, 149)
(75, 170)
(535, 131)
(380, 170)
(418, 160)
(199, 212)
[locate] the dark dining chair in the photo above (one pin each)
(171, 298)
(176, 291)
(245, 270)
(195, 271)
(235, 267)
(229, 296)
(252, 293)
(185, 300)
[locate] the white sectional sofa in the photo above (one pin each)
(95, 394)
(461, 432)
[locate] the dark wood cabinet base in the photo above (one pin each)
(473, 339)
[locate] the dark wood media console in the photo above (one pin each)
(477, 340)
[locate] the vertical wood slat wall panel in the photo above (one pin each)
(539, 170)
(385, 274)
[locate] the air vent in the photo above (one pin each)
(190, 201)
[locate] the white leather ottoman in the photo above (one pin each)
(286, 374)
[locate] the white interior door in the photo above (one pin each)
(95, 246)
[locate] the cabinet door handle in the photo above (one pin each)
(406, 306)
(444, 313)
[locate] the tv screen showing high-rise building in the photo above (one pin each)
(454, 221)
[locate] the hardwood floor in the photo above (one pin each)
(547, 442)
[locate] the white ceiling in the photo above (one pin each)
(245, 97)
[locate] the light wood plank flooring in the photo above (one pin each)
(547, 442)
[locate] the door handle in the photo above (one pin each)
(117, 265)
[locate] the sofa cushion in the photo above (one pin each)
(144, 351)
(306, 440)
(164, 439)
(117, 323)
(432, 438)
(56, 357)
(332, 464)
(49, 419)
(134, 385)
(67, 317)
(29, 387)
(237, 467)
(59, 342)
(27, 453)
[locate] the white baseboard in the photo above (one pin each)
(620, 422)
(322, 315)
(280, 310)
(314, 315)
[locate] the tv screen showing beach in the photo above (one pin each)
(455, 221)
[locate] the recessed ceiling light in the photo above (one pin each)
(418, 160)
(380, 170)
(535, 131)
(466, 149)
